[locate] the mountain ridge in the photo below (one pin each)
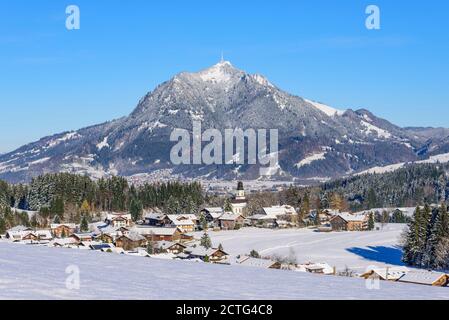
(316, 141)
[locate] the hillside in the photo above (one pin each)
(29, 272)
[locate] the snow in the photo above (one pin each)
(40, 161)
(331, 112)
(309, 160)
(217, 73)
(385, 169)
(262, 80)
(65, 138)
(356, 250)
(34, 272)
(103, 144)
(380, 132)
(441, 158)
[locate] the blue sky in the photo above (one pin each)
(53, 80)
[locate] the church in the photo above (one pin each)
(238, 203)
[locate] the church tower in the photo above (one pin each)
(238, 203)
(240, 191)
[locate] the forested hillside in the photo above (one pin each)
(71, 197)
(406, 187)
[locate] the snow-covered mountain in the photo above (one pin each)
(316, 141)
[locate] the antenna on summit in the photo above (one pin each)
(222, 57)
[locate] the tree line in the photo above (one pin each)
(74, 198)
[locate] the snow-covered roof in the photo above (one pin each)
(262, 217)
(393, 273)
(68, 225)
(279, 211)
(111, 216)
(200, 251)
(155, 231)
(154, 216)
(134, 236)
(422, 277)
(255, 262)
(44, 234)
(18, 229)
(350, 217)
(230, 216)
(182, 220)
(215, 212)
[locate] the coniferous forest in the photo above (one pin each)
(68, 197)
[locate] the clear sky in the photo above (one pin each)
(53, 80)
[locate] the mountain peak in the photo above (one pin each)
(222, 72)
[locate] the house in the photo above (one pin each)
(214, 255)
(118, 220)
(391, 274)
(324, 215)
(159, 234)
(29, 236)
(275, 216)
(318, 268)
(130, 241)
(101, 246)
(212, 216)
(169, 247)
(38, 236)
(17, 233)
(62, 230)
(262, 220)
(82, 237)
(349, 222)
(239, 202)
(154, 219)
(430, 278)
(258, 263)
(63, 242)
(185, 222)
(231, 221)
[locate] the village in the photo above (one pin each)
(187, 237)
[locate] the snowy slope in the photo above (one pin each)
(440, 158)
(28, 272)
(356, 250)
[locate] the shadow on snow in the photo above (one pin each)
(388, 255)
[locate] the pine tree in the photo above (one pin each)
(254, 254)
(414, 239)
(2, 225)
(135, 209)
(84, 225)
(57, 219)
(203, 222)
(227, 207)
(337, 202)
(371, 224)
(439, 232)
(150, 247)
(206, 241)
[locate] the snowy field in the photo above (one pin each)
(356, 250)
(29, 272)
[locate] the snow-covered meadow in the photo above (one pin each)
(355, 250)
(31, 272)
